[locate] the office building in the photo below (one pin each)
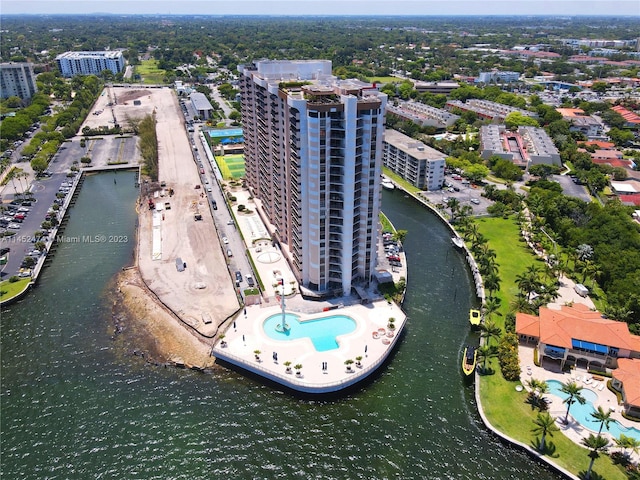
(417, 163)
(17, 80)
(313, 160)
(90, 63)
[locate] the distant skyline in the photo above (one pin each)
(326, 7)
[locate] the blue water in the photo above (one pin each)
(76, 404)
(582, 413)
(322, 331)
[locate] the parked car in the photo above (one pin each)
(225, 240)
(250, 281)
(238, 276)
(229, 253)
(475, 201)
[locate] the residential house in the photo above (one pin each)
(575, 336)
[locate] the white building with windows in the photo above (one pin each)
(17, 80)
(313, 159)
(417, 163)
(90, 63)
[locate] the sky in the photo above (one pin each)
(325, 7)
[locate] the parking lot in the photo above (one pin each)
(463, 191)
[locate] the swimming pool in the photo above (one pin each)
(582, 413)
(322, 331)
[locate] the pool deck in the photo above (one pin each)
(605, 398)
(246, 335)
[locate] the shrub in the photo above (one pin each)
(508, 357)
(13, 279)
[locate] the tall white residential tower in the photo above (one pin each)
(313, 159)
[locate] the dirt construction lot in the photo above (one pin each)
(204, 291)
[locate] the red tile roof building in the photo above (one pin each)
(578, 336)
(632, 119)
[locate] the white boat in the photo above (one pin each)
(457, 242)
(387, 184)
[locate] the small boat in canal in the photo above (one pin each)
(475, 317)
(469, 358)
(457, 242)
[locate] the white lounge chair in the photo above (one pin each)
(600, 387)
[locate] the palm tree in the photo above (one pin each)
(491, 306)
(602, 416)
(453, 204)
(471, 233)
(492, 283)
(485, 352)
(545, 425)
(596, 444)
(625, 443)
(490, 330)
(573, 390)
(540, 385)
(527, 283)
(520, 303)
(584, 252)
(616, 312)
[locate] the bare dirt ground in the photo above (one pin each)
(156, 333)
(174, 309)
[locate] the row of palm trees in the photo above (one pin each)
(545, 424)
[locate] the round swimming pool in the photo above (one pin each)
(321, 331)
(582, 413)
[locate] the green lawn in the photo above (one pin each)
(224, 169)
(235, 163)
(9, 290)
(400, 181)
(505, 408)
(150, 73)
(385, 80)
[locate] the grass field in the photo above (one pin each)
(10, 289)
(231, 166)
(150, 73)
(385, 80)
(505, 408)
(235, 164)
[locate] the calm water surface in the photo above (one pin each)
(75, 406)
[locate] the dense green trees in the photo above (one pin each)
(149, 145)
(612, 234)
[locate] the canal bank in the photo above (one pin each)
(83, 406)
(480, 293)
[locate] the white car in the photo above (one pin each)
(475, 201)
(225, 240)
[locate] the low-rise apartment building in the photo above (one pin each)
(528, 146)
(581, 122)
(487, 110)
(417, 163)
(423, 115)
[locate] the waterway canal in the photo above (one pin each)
(75, 405)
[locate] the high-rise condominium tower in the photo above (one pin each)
(313, 159)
